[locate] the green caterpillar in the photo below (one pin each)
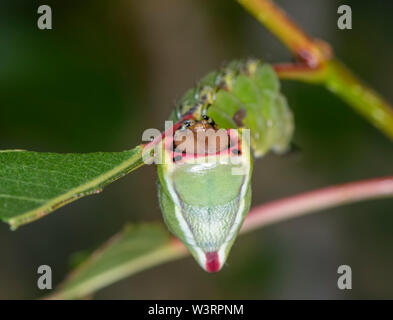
(243, 95)
(203, 200)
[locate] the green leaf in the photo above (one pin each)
(136, 248)
(33, 184)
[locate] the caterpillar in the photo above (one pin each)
(205, 195)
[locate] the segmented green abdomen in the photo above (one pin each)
(243, 95)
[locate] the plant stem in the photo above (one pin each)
(317, 66)
(365, 101)
(312, 201)
(300, 71)
(286, 30)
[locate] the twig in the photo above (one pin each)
(317, 200)
(275, 19)
(318, 66)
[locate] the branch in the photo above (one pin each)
(299, 71)
(312, 52)
(309, 202)
(318, 66)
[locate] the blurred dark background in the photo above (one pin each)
(110, 69)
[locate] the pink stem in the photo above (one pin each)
(292, 67)
(300, 71)
(317, 200)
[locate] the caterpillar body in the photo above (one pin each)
(205, 195)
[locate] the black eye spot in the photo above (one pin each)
(205, 117)
(236, 151)
(177, 158)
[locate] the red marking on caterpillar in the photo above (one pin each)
(212, 262)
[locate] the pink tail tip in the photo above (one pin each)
(212, 262)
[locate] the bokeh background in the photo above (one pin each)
(110, 69)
